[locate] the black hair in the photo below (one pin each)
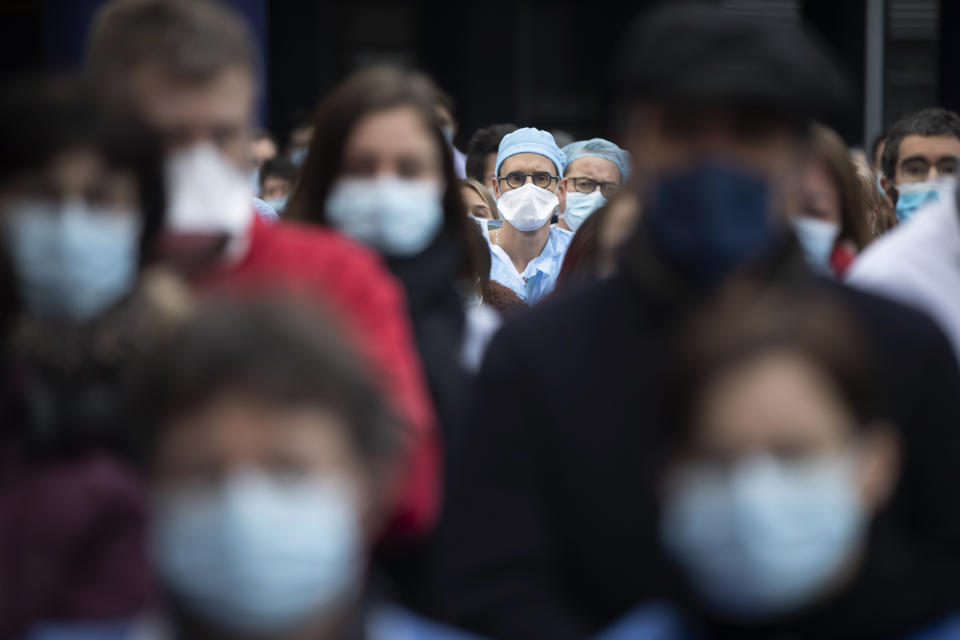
(934, 121)
(484, 141)
(278, 167)
(271, 350)
(44, 117)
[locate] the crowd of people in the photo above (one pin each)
(696, 382)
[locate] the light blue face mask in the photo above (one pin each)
(447, 134)
(580, 206)
(277, 204)
(258, 555)
(764, 537)
(71, 259)
(394, 216)
(913, 196)
(298, 156)
(816, 238)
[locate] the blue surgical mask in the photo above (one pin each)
(709, 220)
(764, 537)
(580, 206)
(277, 204)
(394, 216)
(447, 134)
(258, 555)
(71, 259)
(298, 156)
(816, 238)
(913, 196)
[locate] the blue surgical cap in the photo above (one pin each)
(599, 148)
(530, 140)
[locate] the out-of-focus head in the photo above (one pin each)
(81, 198)
(478, 201)
(922, 150)
(271, 457)
(188, 67)
(596, 171)
(831, 207)
(690, 95)
(277, 178)
(263, 147)
(444, 108)
(780, 456)
(482, 151)
(378, 168)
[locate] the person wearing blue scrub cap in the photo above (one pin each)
(596, 170)
(526, 251)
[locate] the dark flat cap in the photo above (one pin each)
(691, 53)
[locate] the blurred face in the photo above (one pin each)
(276, 187)
(820, 197)
(301, 136)
(78, 174)
(217, 111)
(475, 204)
(779, 405)
(666, 138)
(923, 158)
(531, 163)
(446, 120)
(392, 143)
(201, 449)
(262, 150)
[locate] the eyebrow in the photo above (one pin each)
(927, 158)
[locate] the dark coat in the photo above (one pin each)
(550, 523)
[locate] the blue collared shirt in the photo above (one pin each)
(540, 276)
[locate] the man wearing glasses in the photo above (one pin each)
(920, 159)
(526, 252)
(919, 263)
(596, 170)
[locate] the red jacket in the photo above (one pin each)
(352, 283)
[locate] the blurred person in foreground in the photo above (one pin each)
(779, 458)
(919, 264)
(526, 251)
(921, 159)
(379, 171)
(831, 222)
(482, 152)
(596, 171)
(549, 526)
(189, 69)
(272, 459)
(81, 204)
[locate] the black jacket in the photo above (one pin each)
(550, 523)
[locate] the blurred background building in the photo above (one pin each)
(540, 62)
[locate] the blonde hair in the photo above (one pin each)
(877, 209)
(484, 195)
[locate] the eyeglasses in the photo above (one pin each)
(542, 179)
(589, 185)
(917, 169)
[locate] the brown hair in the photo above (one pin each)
(366, 92)
(830, 150)
(877, 207)
(745, 323)
(194, 40)
(484, 195)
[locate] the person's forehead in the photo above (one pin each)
(595, 167)
(529, 162)
(272, 180)
(929, 147)
(166, 100)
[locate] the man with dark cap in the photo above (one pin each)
(550, 522)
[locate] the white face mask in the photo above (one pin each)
(394, 216)
(207, 193)
(258, 555)
(764, 537)
(529, 207)
(816, 238)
